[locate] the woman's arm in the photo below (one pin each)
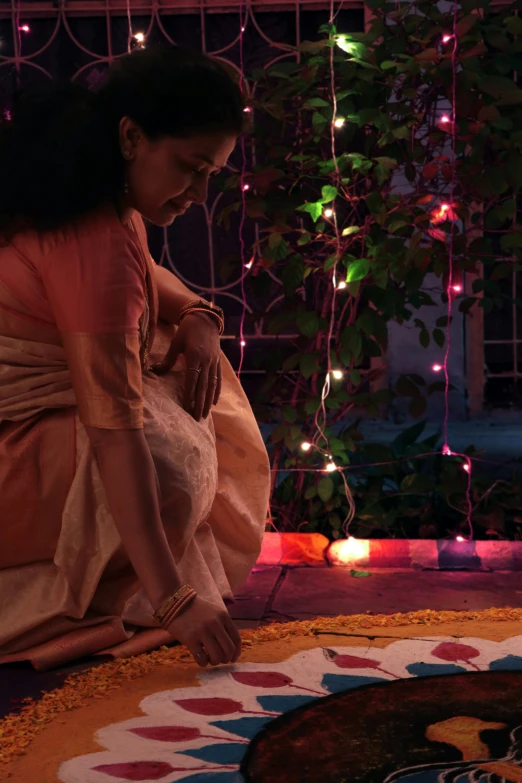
(172, 294)
(129, 478)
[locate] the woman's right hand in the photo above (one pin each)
(209, 633)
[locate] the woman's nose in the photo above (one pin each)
(199, 191)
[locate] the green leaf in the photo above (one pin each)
(395, 225)
(359, 574)
(314, 208)
(292, 275)
(502, 88)
(406, 388)
(418, 407)
(328, 193)
(315, 103)
(509, 241)
(325, 489)
(416, 482)
(407, 438)
(311, 492)
(439, 337)
(308, 365)
(387, 163)
(351, 340)
(289, 414)
(350, 230)
(357, 270)
(308, 323)
(514, 24)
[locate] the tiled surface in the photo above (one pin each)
(283, 594)
(307, 593)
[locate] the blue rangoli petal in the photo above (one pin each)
(283, 703)
(510, 662)
(430, 669)
(336, 683)
(222, 753)
(243, 727)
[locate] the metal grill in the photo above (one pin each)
(77, 39)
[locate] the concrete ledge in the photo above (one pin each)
(313, 549)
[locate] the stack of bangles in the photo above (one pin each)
(174, 605)
(202, 306)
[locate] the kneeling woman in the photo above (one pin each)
(133, 478)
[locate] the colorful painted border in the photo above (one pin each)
(315, 549)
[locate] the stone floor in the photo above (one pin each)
(282, 594)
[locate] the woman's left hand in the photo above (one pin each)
(197, 338)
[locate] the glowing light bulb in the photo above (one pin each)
(247, 109)
(242, 29)
(341, 285)
(24, 28)
(331, 466)
(445, 118)
(140, 37)
(328, 213)
(306, 446)
(460, 538)
(436, 367)
(446, 38)
(457, 288)
(249, 265)
(337, 374)
(339, 122)
(446, 450)
(246, 187)
(466, 467)
(243, 343)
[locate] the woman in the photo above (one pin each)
(133, 477)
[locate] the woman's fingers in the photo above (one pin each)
(235, 636)
(202, 388)
(213, 379)
(217, 392)
(192, 377)
(213, 649)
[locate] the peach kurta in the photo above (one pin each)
(78, 330)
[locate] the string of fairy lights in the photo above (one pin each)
(442, 214)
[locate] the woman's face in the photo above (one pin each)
(165, 177)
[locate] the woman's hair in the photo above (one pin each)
(60, 155)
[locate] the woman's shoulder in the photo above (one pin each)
(93, 229)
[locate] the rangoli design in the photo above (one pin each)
(430, 710)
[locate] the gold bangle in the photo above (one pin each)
(177, 609)
(219, 320)
(169, 602)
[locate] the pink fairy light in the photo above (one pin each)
(437, 367)
(466, 468)
(24, 28)
(244, 188)
(460, 538)
(446, 38)
(457, 288)
(445, 118)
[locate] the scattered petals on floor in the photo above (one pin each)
(201, 734)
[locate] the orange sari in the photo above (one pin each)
(78, 330)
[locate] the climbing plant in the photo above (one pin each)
(393, 101)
